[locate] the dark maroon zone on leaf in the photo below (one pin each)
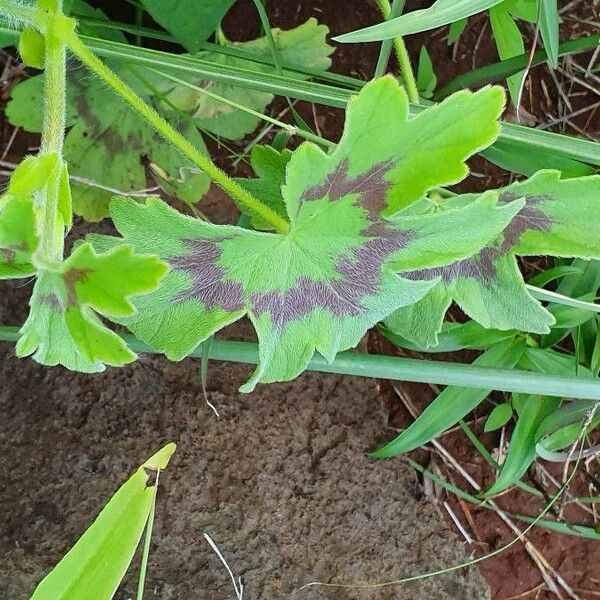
(482, 266)
(358, 274)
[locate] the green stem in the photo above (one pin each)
(53, 131)
(386, 45)
(395, 368)
(291, 129)
(244, 198)
(408, 76)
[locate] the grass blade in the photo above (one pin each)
(549, 29)
(441, 13)
(553, 144)
(102, 555)
(395, 368)
(521, 451)
(452, 404)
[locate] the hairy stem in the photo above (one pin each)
(90, 60)
(53, 131)
(408, 76)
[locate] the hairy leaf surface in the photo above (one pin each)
(560, 218)
(63, 326)
(321, 286)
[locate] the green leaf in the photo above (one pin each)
(549, 20)
(561, 217)
(441, 13)
(517, 157)
(533, 412)
(106, 144)
(454, 337)
(190, 22)
(521, 451)
(452, 404)
(62, 327)
(527, 10)
(426, 77)
(563, 438)
(333, 276)
(32, 174)
(99, 560)
(305, 46)
(456, 29)
(32, 48)
(499, 417)
(269, 166)
(18, 238)
(509, 42)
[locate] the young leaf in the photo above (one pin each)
(269, 166)
(304, 46)
(332, 277)
(561, 217)
(426, 77)
(18, 238)
(499, 417)
(441, 13)
(62, 327)
(452, 404)
(189, 22)
(96, 564)
(456, 29)
(32, 174)
(32, 48)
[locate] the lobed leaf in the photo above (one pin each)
(105, 145)
(305, 46)
(321, 286)
(62, 326)
(189, 22)
(561, 217)
(269, 166)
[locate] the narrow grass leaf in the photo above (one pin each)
(549, 20)
(452, 404)
(499, 417)
(521, 451)
(441, 13)
(100, 558)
